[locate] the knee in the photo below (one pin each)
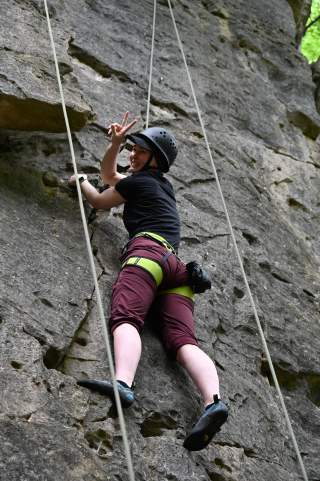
(125, 327)
(184, 351)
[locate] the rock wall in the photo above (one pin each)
(316, 78)
(257, 97)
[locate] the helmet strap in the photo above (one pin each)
(147, 164)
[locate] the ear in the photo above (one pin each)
(154, 162)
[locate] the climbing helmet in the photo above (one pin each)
(161, 142)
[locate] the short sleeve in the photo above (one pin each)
(126, 187)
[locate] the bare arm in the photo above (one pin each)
(109, 172)
(105, 200)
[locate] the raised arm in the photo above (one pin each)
(109, 173)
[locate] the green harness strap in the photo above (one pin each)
(153, 268)
(184, 291)
(158, 238)
(148, 265)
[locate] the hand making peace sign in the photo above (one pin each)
(118, 131)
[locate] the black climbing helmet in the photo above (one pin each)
(161, 142)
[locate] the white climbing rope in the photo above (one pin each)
(151, 61)
(91, 260)
(264, 343)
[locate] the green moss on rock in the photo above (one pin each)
(30, 183)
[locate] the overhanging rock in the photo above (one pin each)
(29, 95)
(32, 114)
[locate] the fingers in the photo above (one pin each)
(116, 129)
(125, 119)
(128, 127)
(72, 179)
(110, 128)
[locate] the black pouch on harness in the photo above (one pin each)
(198, 278)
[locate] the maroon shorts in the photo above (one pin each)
(135, 297)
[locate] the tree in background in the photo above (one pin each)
(310, 45)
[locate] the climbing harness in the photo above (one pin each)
(184, 288)
(199, 280)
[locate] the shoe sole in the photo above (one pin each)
(106, 388)
(200, 439)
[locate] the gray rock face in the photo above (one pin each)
(29, 98)
(301, 12)
(316, 79)
(257, 98)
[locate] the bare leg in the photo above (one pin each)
(201, 370)
(127, 352)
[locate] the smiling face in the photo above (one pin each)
(139, 157)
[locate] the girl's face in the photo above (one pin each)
(138, 158)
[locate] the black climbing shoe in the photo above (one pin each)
(207, 426)
(106, 387)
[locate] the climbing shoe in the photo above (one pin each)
(198, 278)
(207, 426)
(106, 387)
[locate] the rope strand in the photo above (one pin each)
(91, 259)
(151, 62)
(264, 343)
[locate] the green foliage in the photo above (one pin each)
(310, 46)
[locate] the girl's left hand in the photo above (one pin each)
(118, 131)
(72, 179)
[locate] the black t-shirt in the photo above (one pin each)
(150, 205)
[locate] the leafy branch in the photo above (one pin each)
(310, 24)
(310, 45)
